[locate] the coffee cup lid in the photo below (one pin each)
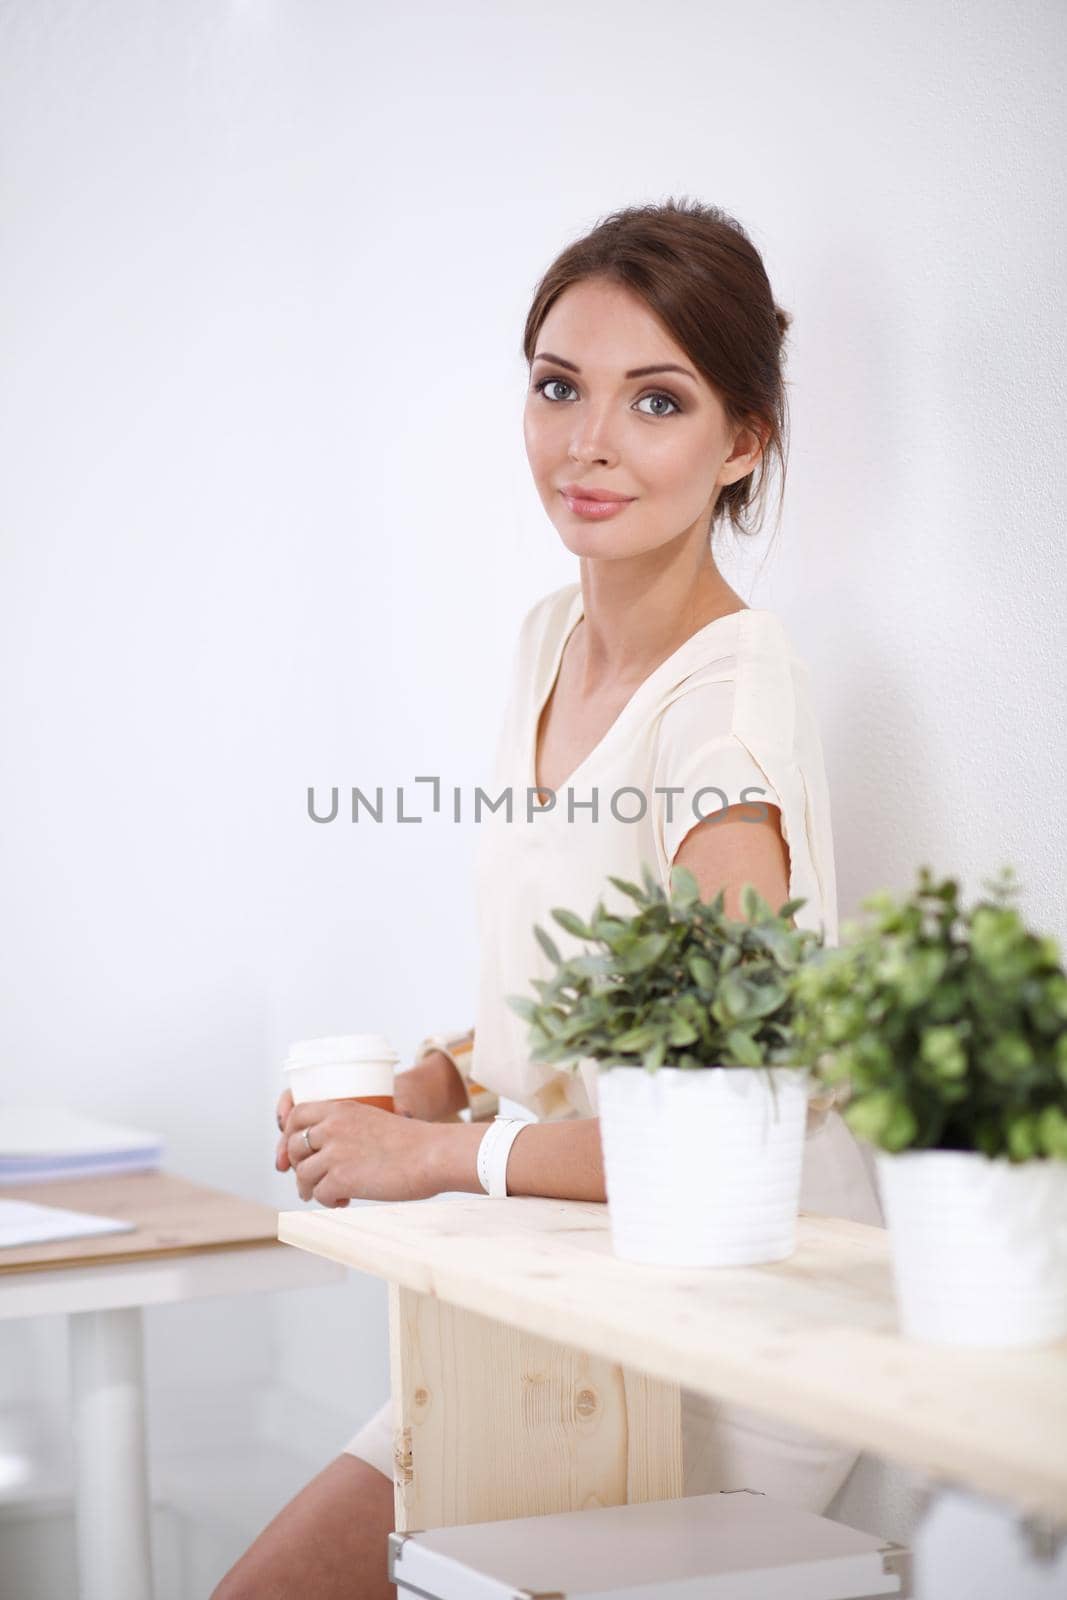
(341, 1047)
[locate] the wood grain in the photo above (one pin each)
(495, 1422)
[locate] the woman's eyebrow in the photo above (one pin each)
(634, 372)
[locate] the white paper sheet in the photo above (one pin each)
(22, 1222)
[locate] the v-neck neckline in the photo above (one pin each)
(575, 614)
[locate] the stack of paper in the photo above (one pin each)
(39, 1144)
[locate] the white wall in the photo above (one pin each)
(267, 522)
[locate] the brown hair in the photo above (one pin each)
(697, 269)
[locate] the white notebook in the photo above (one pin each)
(22, 1222)
(42, 1142)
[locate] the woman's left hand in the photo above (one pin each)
(358, 1152)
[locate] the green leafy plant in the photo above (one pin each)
(676, 984)
(946, 1028)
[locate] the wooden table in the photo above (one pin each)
(189, 1242)
(534, 1372)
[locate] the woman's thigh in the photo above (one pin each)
(330, 1541)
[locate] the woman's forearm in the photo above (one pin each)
(561, 1160)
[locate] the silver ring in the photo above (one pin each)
(307, 1141)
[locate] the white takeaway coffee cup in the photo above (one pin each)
(351, 1066)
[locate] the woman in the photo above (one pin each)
(656, 390)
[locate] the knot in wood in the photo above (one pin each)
(402, 1463)
(585, 1402)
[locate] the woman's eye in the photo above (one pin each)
(552, 383)
(668, 398)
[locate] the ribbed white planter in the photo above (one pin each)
(701, 1168)
(979, 1246)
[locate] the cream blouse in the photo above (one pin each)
(727, 718)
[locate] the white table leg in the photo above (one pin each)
(111, 1459)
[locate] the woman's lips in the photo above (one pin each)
(596, 509)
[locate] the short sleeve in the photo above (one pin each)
(705, 782)
(729, 769)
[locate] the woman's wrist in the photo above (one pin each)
(451, 1158)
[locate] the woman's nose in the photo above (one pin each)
(591, 444)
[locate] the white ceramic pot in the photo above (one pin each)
(701, 1167)
(979, 1246)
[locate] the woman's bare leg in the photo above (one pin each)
(330, 1541)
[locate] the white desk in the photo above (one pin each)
(189, 1243)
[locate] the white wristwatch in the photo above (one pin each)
(493, 1153)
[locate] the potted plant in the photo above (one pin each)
(946, 1030)
(702, 1105)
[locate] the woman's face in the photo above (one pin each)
(658, 437)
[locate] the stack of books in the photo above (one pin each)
(41, 1144)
